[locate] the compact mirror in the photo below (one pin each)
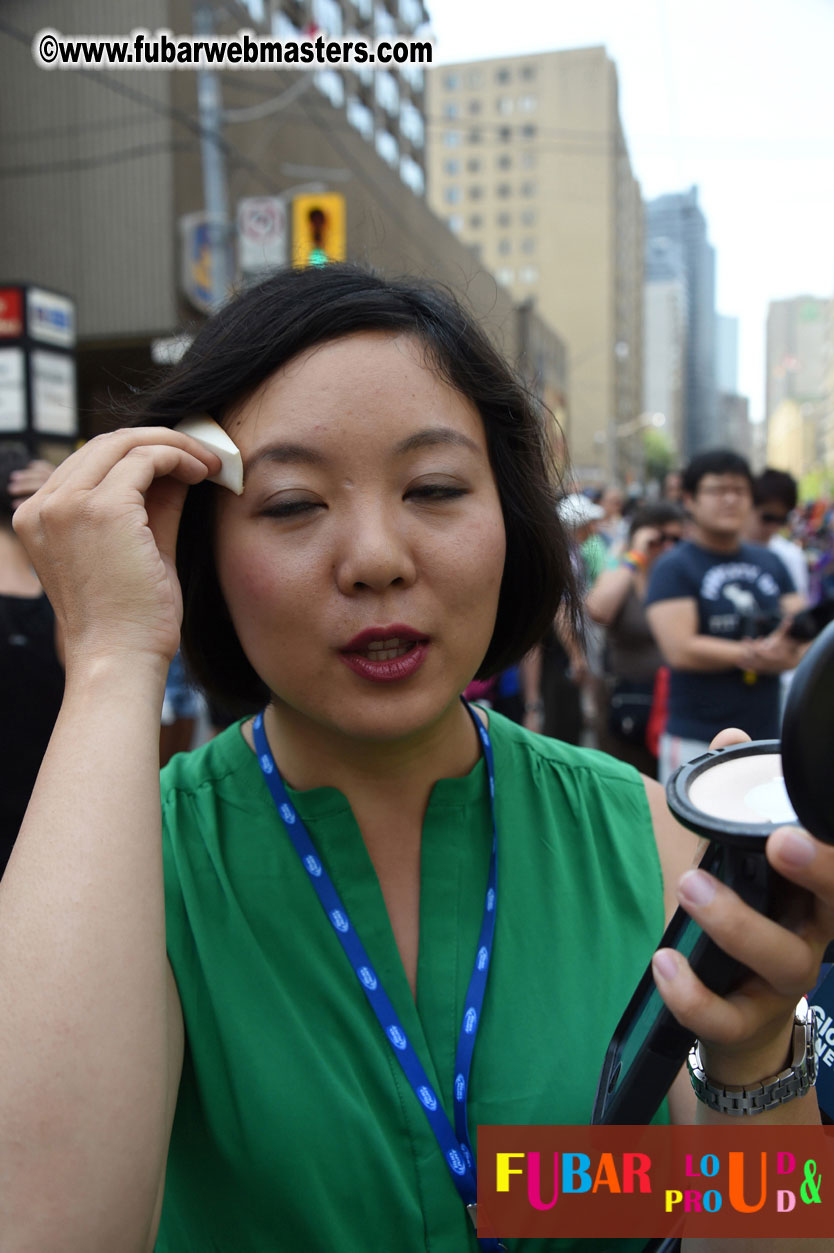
(734, 797)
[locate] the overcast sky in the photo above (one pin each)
(736, 96)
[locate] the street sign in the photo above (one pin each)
(261, 234)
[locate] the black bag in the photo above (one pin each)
(629, 709)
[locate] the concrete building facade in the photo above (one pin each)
(102, 167)
(527, 163)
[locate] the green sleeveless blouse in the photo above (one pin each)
(295, 1130)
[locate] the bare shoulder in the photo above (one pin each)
(678, 848)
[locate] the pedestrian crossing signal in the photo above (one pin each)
(318, 229)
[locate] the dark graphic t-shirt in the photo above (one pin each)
(737, 595)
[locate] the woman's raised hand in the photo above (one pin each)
(745, 1035)
(102, 533)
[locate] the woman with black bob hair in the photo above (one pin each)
(271, 1012)
(269, 326)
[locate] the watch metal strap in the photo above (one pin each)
(795, 1080)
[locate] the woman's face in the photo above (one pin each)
(362, 564)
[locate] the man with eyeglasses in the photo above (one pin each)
(720, 610)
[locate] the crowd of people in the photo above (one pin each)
(271, 1009)
(689, 610)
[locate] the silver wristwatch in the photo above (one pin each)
(795, 1080)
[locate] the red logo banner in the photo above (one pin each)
(647, 1182)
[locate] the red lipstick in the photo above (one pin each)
(386, 654)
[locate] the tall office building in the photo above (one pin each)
(726, 353)
(664, 355)
(527, 163)
(797, 383)
(797, 332)
(677, 249)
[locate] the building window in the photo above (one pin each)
(475, 79)
(476, 221)
(387, 91)
(505, 247)
(452, 166)
(528, 72)
(327, 15)
(504, 162)
(528, 132)
(528, 274)
(476, 191)
(384, 23)
(330, 84)
(451, 82)
(528, 189)
(473, 165)
(474, 106)
(528, 160)
(411, 124)
(502, 76)
(455, 223)
(451, 139)
(503, 190)
(452, 195)
(411, 12)
(527, 104)
(412, 74)
(528, 217)
(360, 117)
(283, 28)
(505, 134)
(451, 108)
(528, 244)
(474, 137)
(504, 219)
(505, 276)
(504, 105)
(412, 175)
(256, 9)
(387, 147)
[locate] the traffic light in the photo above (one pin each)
(318, 229)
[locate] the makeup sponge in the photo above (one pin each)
(209, 433)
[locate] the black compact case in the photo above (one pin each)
(649, 1046)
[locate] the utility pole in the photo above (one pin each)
(215, 195)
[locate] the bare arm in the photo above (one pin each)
(607, 596)
(674, 624)
(90, 1025)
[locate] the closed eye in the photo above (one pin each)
(436, 491)
(291, 508)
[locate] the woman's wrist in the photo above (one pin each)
(748, 1067)
(778, 1082)
(634, 560)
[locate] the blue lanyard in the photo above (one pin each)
(455, 1144)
